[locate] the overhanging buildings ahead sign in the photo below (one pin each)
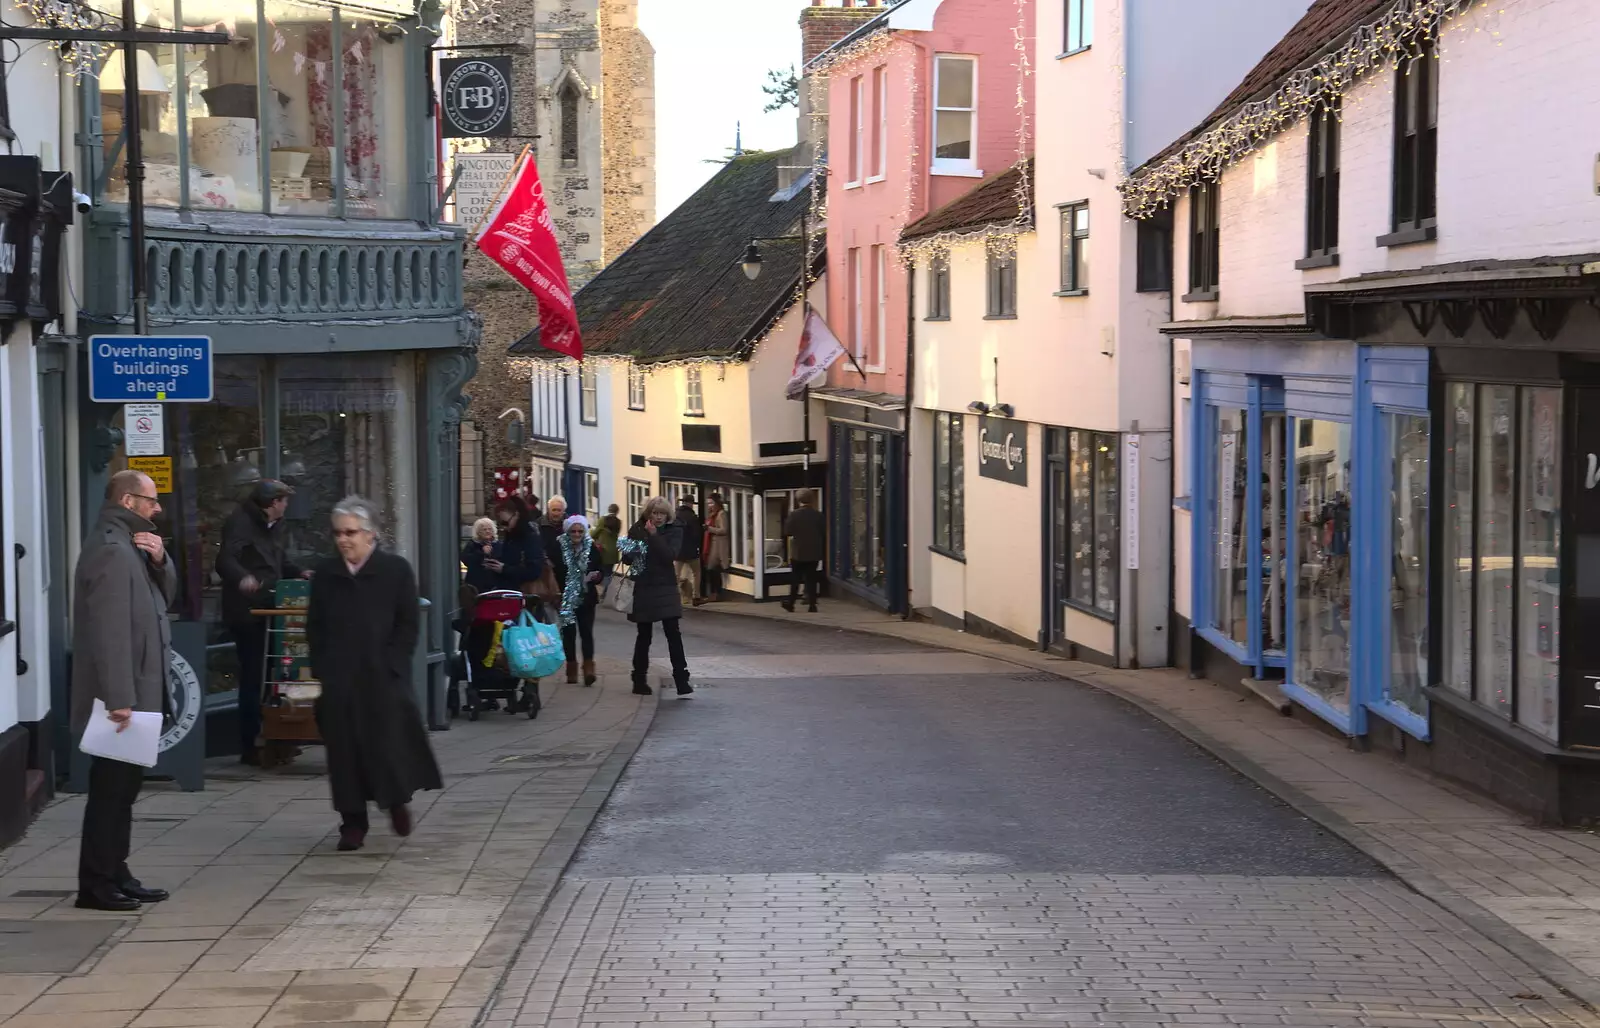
(150, 369)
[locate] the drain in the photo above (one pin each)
(1041, 676)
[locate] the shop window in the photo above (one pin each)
(1407, 437)
(1092, 488)
(638, 496)
(1075, 248)
(1457, 573)
(742, 528)
(1002, 288)
(949, 504)
(694, 397)
(1322, 187)
(1205, 249)
(1229, 538)
(588, 394)
(545, 481)
(939, 288)
(1079, 26)
(1538, 586)
(955, 115)
(1274, 534)
(1416, 147)
(866, 518)
(680, 493)
(1322, 623)
(636, 378)
(776, 505)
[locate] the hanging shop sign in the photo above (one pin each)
(475, 96)
(480, 178)
(1003, 450)
(1130, 501)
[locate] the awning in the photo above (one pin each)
(861, 398)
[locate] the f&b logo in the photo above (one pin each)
(476, 96)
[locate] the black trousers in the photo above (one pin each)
(641, 652)
(108, 824)
(250, 643)
(711, 583)
(804, 571)
(583, 630)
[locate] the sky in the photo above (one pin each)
(711, 61)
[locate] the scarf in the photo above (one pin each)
(577, 570)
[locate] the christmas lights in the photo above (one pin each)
(78, 57)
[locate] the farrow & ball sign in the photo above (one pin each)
(475, 95)
(1003, 450)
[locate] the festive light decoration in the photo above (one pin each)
(524, 367)
(1393, 37)
(78, 58)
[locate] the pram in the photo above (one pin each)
(478, 623)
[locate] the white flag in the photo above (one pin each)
(819, 348)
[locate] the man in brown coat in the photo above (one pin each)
(807, 532)
(121, 649)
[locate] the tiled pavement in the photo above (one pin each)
(1535, 891)
(269, 926)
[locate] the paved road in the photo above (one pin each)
(839, 832)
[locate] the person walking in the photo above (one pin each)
(521, 559)
(251, 562)
(656, 541)
(552, 525)
(483, 547)
(606, 535)
(578, 565)
(362, 628)
(122, 646)
(688, 563)
(718, 547)
(806, 531)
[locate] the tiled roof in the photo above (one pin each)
(1325, 23)
(679, 291)
(991, 202)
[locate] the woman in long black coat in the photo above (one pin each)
(657, 538)
(362, 628)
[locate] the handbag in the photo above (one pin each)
(621, 594)
(533, 648)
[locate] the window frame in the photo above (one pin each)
(938, 308)
(567, 99)
(547, 403)
(880, 328)
(1077, 32)
(694, 392)
(1322, 189)
(743, 532)
(637, 377)
(857, 127)
(588, 394)
(1000, 278)
(949, 461)
(1414, 165)
(591, 495)
(1113, 458)
(854, 301)
(956, 166)
(879, 169)
(1153, 253)
(1074, 249)
(1205, 242)
(634, 488)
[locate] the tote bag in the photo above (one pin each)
(533, 648)
(621, 596)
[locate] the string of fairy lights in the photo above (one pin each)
(78, 58)
(1394, 37)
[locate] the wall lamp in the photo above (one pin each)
(751, 262)
(999, 410)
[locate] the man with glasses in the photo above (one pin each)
(122, 647)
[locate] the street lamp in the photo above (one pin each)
(751, 262)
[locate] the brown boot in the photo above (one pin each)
(572, 672)
(589, 676)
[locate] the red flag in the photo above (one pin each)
(519, 236)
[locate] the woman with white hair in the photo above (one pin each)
(655, 540)
(578, 563)
(485, 546)
(362, 627)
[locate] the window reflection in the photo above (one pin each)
(1538, 580)
(1322, 562)
(1496, 514)
(1408, 439)
(1228, 536)
(1457, 522)
(1274, 567)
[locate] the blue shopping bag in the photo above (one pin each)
(533, 648)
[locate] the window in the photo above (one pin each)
(880, 334)
(1092, 515)
(1406, 444)
(1230, 482)
(1204, 248)
(1321, 556)
(777, 503)
(955, 115)
(545, 481)
(949, 513)
(1079, 25)
(857, 340)
(638, 496)
(1502, 546)
(547, 413)
(858, 117)
(880, 145)
(1075, 248)
(1154, 253)
(588, 394)
(1322, 190)
(1002, 276)
(636, 376)
(569, 123)
(591, 496)
(742, 528)
(680, 493)
(1416, 147)
(694, 400)
(939, 288)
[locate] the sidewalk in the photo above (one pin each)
(268, 925)
(1534, 891)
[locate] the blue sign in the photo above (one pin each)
(150, 369)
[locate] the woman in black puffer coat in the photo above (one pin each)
(655, 594)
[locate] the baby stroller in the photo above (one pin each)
(477, 624)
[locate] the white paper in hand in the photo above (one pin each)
(137, 744)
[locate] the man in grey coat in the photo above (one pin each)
(121, 648)
(807, 532)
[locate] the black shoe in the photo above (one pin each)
(685, 689)
(250, 757)
(107, 899)
(811, 609)
(134, 889)
(351, 838)
(787, 605)
(643, 690)
(400, 818)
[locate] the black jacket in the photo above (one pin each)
(806, 530)
(550, 535)
(597, 564)
(362, 630)
(655, 593)
(478, 576)
(689, 521)
(249, 547)
(522, 553)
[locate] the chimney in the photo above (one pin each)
(824, 24)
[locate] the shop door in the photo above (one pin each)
(1056, 531)
(1580, 607)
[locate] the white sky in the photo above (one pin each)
(711, 61)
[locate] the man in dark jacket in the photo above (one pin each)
(121, 649)
(807, 534)
(250, 563)
(688, 562)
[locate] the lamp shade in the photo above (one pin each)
(113, 78)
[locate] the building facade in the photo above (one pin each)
(1385, 395)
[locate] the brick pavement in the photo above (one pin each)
(269, 926)
(1535, 891)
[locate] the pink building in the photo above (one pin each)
(922, 101)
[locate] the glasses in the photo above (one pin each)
(348, 533)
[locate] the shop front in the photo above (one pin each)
(867, 483)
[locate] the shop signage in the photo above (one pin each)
(1003, 450)
(142, 430)
(150, 369)
(480, 178)
(158, 468)
(1130, 501)
(475, 95)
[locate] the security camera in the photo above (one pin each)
(82, 201)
